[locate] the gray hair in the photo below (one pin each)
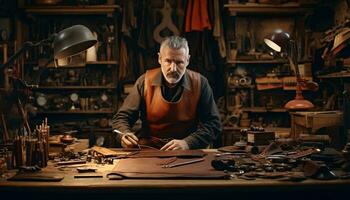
(175, 42)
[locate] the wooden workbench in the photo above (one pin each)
(96, 188)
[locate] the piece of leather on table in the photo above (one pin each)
(165, 154)
(310, 168)
(42, 177)
(231, 149)
(318, 171)
(148, 168)
(273, 148)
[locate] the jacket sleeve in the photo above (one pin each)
(129, 112)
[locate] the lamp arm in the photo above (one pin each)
(26, 46)
(293, 60)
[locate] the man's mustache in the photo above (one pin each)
(173, 74)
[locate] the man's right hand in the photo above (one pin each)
(129, 140)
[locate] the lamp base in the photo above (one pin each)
(299, 104)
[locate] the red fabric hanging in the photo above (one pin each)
(197, 18)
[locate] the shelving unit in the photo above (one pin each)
(247, 17)
(84, 93)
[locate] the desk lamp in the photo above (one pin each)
(67, 42)
(281, 42)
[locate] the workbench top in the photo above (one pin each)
(71, 187)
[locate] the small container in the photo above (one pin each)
(68, 139)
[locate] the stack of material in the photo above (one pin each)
(267, 83)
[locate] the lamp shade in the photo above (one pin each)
(278, 40)
(72, 40)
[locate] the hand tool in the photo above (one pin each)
(86, 169)
(183, 163)
(88, 176)
(72, 162)
(119, 132)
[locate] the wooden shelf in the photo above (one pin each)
(69, 10)
(263, 109)
(64, 67)
(75, 88)
(342, 74)
(270, 9)
(82, 65)
(111, 62)
(241, 87)
(88, 112)
(278, 61)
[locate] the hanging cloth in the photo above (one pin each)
(218, 31)
(128, 19)
(197, 18)
(123, 63)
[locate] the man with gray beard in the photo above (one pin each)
(176, 105)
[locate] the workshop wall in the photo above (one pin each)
(222, 36)
(139, 48)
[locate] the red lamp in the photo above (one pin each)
(281, 42)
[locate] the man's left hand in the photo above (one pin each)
(175, 145)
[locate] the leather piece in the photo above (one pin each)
(41, 177)
(318, 171)
(166, 154)
(152, 168)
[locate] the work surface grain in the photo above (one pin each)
(71, 187)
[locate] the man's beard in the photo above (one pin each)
(173, 77)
